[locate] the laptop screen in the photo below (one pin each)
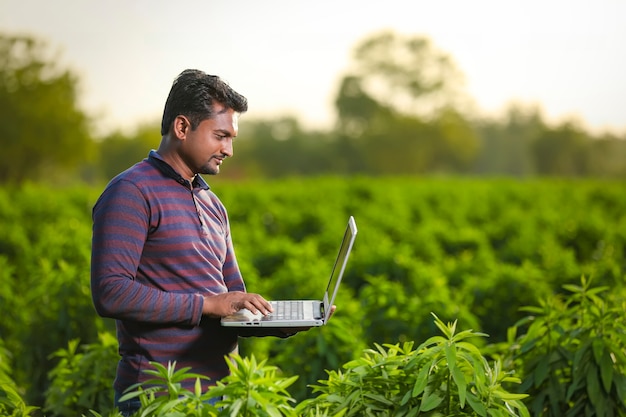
(339, 267)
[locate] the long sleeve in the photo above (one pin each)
(121, 225)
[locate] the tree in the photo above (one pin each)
(399, 107)
(507, 142)
(118, 151)
(279, 147)
(42, 128)
(562, 151)
(404, 73)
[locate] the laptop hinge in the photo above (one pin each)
(320, 311)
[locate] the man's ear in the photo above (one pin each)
(181, 126)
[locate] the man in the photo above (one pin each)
(163, 263)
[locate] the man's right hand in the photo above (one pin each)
(231, 302)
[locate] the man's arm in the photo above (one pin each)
(121, 221)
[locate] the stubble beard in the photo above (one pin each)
(209, 169)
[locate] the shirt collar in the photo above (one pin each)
(157, 161)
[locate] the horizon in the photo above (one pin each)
(287, 58)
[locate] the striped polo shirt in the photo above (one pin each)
(159, 244)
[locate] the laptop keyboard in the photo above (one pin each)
(288, 310)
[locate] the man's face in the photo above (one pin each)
(211, 142)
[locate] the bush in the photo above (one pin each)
(11, 402)
(446, 375)
(572, 352)
(83, 381)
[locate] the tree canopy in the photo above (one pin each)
(43, 130)
(400, 109)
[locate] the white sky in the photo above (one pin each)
(287, 56)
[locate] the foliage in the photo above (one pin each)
(82, 381)
(572, 351)
(45, 301)
(405, 72)
(252, 389)
(42, 128)
(119, 151)
(471, 250)
(400, 110)
(446, 375)
(11, 402)
(443, 376)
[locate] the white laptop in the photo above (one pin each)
(302, 313)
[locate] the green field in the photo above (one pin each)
(466, 249)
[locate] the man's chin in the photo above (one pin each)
(210, 170)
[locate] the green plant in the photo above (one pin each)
(164, 395)
(11, 402)
(444, 376)
(573, 353)
(83, 381)
(469, 249)
(252, 389)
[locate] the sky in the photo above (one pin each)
(288, 56)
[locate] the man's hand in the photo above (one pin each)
(231, 302)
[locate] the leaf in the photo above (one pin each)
(598, 349)
(430, 402)
(573, 288)
(476, 405)
(593, 386)
(620, 385)
(455, 371)
(420, 381)
(606, 371)
(541, 371)
(509, 396)
(459, 378)
(379, 398)
(450, 350)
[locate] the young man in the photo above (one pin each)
(163, 263)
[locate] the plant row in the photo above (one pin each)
(475, 251)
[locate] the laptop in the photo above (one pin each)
(302, 313)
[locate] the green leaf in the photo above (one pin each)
(573, 288)
(421, 381)
(620, 385)
(509, 396)
(379, 398)
(459, 378)
(606, 371)
(476, 405)
(541, 371)
(598, 349)
(593, 386)
(430, 402)
(450, 350)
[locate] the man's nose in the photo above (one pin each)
(227, 149)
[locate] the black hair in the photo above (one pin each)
(193, 94)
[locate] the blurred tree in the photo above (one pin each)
(398, 109)
(506, 143)
(607, 156)
(118, 151)
(562, 151)
(42, 129)
(278, 148)
(406, 74)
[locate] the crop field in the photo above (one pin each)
(470, 250)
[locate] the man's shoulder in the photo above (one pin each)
(141, 174)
